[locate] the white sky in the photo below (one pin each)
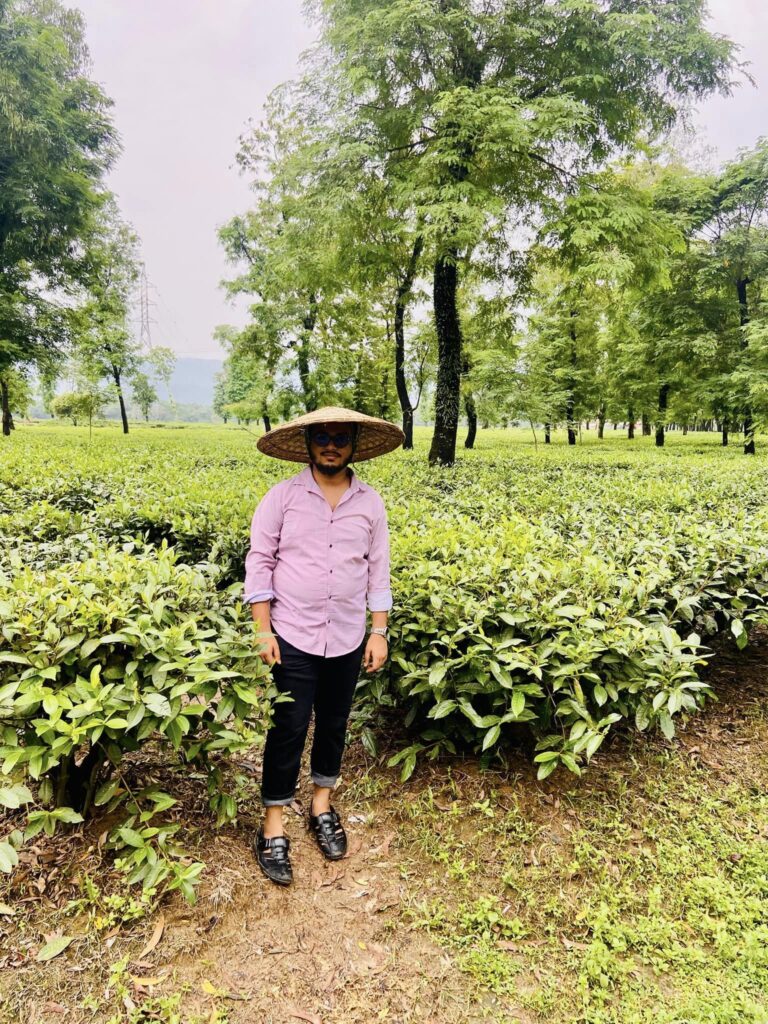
(186, 75)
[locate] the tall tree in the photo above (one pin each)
(740, 246)
(498, 104)
(56, 142)
(105, 346)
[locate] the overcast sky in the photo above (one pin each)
(185, 76)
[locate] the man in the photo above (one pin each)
(319, 552)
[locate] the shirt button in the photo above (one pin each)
(330, 545)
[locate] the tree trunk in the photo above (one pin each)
(443, 448)
(724, 430)
(601, 422)
(120, 398)
(631, 424)
(646, 421)
(7, 418)
(547, 433)
(404, 290)
(302, 355)
(570, 408)
(685, 430)
(662, 415)
(469, 409)
(267, 423)
(468, 65)
(749, 426)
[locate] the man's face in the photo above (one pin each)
(328, 457)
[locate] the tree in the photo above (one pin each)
(739, 226)
(151, 367)
(104, 344)
(478, 110)
(77, 405)
(56, 141)
(144, 393)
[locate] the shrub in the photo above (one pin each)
(126, 647)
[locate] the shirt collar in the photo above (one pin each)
(307, 480)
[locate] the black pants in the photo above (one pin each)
(328, 685)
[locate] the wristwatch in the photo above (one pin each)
(380, 631)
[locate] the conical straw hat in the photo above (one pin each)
(376, 437)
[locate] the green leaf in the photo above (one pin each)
(491, 736)
(667, 725)
(130, 837)
(408, 766)
(518, 703)
(437, 673)
(15, 796)
(8, 857)
(546, 769)
(105, 793)
(157, 704)
(445, 707)
(593, 743)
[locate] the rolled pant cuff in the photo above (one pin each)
(281, 802)
(328, 781)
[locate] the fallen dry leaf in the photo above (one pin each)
(305, 1015)
(53, 948)
(157, 934)
(145, 982)
(354, 848)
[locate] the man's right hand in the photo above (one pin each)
(270, 651)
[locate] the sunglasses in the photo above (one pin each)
(341, 440)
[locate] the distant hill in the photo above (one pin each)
(192, 381)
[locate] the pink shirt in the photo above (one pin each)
(318, 565)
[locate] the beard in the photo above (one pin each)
(340, 467)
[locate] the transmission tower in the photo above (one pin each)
(145, 339)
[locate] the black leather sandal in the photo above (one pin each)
(272, 855)
(329, 833)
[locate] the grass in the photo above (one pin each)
(643, 899)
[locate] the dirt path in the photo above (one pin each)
(343, 945)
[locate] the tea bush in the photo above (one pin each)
(102, 655)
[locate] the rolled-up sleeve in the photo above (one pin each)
(379, 593)
(262, 556)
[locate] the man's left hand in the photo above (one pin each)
(376, 651)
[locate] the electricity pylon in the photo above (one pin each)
(145, 339)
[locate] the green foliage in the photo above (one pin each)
(57, 142)
(78, 405)
(123, 647)
(541, 597)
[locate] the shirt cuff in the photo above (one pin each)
(262, 595)
(380, 601)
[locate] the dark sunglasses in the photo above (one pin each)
(322, 437)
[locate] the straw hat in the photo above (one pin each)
(375, 437)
